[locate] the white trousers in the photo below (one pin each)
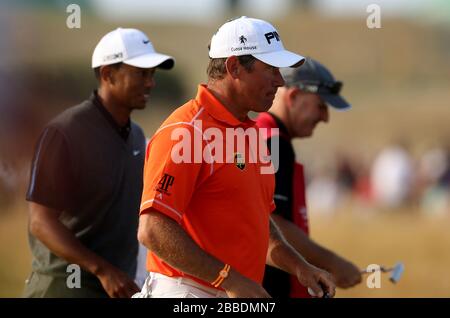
(161, 286)
(141, 270)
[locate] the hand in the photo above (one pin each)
(238, 286)
(316, 279)
(346, 274)
(116, 283)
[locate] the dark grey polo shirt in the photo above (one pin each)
(91, 169)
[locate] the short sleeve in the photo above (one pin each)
(169, 181)
(51, 179)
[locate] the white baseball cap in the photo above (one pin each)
(249, 36)
(129, 46)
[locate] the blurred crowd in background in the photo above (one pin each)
(394, 179)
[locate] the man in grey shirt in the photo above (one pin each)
(86, 178)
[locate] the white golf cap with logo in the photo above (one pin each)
(249, 36)
(129, 46)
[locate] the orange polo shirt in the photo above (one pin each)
(224, 205)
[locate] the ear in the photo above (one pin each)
(233, 66)
(107, 74)
(291, 95)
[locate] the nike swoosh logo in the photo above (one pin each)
(136, 152)
(145, 41)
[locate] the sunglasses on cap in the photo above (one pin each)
(320, 87)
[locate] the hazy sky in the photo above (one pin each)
(204, 10)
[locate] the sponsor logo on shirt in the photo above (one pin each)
(165, 183)
(239, 160)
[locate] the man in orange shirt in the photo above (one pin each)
(206, 203)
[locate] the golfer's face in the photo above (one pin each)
(260, 85)
(133, 85)
(306, 112)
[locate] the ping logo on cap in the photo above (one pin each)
(272, 35)
(242, 39)
(249, 36)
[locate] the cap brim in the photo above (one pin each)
(280, 58)
(152, 60)
(336, 101)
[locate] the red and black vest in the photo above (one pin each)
(290, 200)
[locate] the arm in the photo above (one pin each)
(46, 227)
(167, 240)
(285, 257)
(345, 273)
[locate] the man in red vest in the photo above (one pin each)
(296, 110)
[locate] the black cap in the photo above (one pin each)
(313, 77)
